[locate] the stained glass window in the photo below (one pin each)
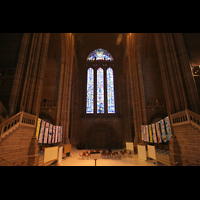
(100, 91)
(90, 91)
(110, 91)
(100, 54)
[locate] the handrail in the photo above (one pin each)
(19, 118)
(10, 118)
(185, 116)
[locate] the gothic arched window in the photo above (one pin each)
(90, 91)
(110, 91)
(100, 91)
(101, 55)
(100, 82)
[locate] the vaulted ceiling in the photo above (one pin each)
(85, 43)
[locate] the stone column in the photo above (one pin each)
(189, 83)
(33, 72)
(19, 74)
(178, 84)
(136, 84)
(29, 57)
(64, 94)
(127, 102)
(40, 74)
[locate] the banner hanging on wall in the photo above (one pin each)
(50, 133)
(158, 132)
(154, 133)
(56, 136)
(150, 134)
(42, 127)
(142, 133)
(162, 126)
(147, 133)
(168, 128)
(47, 133)
(38, 128)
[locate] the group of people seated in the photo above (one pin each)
(106, 154)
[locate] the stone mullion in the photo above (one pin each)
(95, 91)
(105, 90)
(18, 74)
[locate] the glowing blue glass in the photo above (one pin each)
(100, 91)
(90, 91)
(100, 54)
(110, 91)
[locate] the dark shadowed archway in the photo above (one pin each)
(102, 135)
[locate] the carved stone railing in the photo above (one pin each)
(48, 105)
(155, 104)
(185, 116)
(20, 118)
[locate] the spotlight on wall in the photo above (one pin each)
(119, 39)
(195, 70)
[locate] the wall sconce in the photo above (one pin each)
(157, 100)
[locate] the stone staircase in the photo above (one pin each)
(21, 118)
(184, 147)
(16, 136)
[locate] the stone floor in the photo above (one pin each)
(75, 160)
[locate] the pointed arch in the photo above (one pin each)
(101, 55)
